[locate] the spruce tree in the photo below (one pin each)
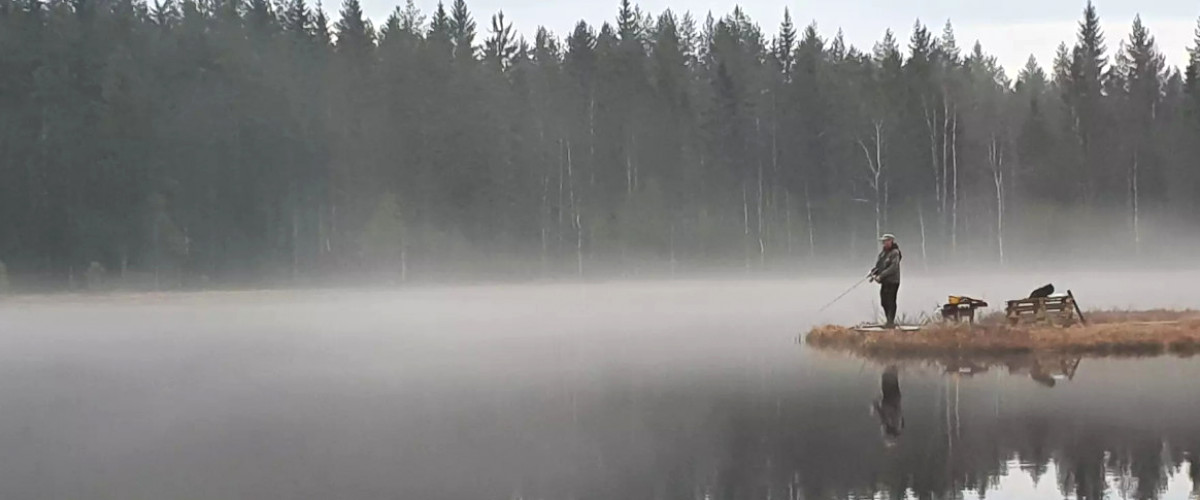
(462, 31)
(501, 46)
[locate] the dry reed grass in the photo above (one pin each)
(1107, 333)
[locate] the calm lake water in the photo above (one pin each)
(663, 390)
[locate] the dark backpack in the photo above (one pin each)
(1042, 292)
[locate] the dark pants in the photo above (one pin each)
(887, 296)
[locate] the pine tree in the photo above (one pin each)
(500, 47)
(1032, 79)
(1062, 69)
(1090, 49)
(321, 27)
(1035, 140)
(581, 56)
(355, 36)
(1084, 94)
(411, 19)
(165, 13)
(440, 37)
(390, 31)
(948, 45)
(296, 18)
(233, 138)
(1143, 76)
(784, 46)
(629, 23)
(1144, 73)
(837, 48)
(1192, 77)
(462, 31)
(441, 21)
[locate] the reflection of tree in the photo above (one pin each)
(1194, 472)
(832, 459)
(1035, 455)
(751, 441)
(1081, 469)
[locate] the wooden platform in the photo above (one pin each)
(1058, 310)
(880, 328)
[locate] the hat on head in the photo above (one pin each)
(887, 236)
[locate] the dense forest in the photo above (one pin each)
(188, 142)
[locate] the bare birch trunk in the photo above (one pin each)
(628, 173)
(320, 229)
(1133, 182)
(579, 243)
(880, 215)
(577, 221)
(403, 263)
(787, 219)
(930, 124)
(886, 193)
(996, 159)
(875, 166)
(745, 228)
(954, 208)
(812, 239)
(333, 217)
(295, 239)
(558, 227)
(591, 139)
(762, 248)
(632, 150)
(775, 169)
(671, 244)
(924, 253)
(945, 155)
(545, 212)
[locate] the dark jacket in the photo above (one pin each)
(887, 268)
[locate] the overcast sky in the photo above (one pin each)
(1010, 30)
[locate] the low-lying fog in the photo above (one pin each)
(613, 390)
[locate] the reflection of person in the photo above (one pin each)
(887, 273)
(887, 407)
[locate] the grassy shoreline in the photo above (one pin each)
(1151, 332)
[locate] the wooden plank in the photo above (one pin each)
(1064, 305)
(880, 329)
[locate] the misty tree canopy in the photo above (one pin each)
(245, 139)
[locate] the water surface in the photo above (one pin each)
(685, 389)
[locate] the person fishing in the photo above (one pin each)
(887, 273)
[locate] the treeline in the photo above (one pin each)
(234, 140)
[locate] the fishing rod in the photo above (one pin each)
(847, 292)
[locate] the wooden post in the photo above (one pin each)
(1078, 311)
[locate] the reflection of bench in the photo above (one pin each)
(958, 308)
(1059, 310)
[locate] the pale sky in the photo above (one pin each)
(1011, 30)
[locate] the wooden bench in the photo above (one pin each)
(958, 308)
(1059, 310)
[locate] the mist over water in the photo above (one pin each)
(658, 389)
